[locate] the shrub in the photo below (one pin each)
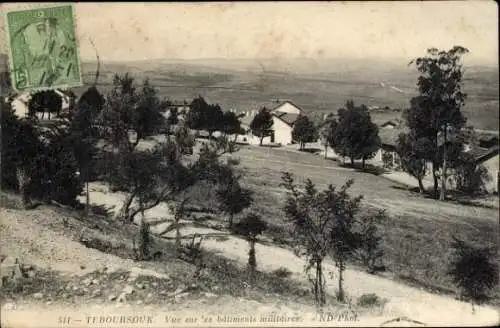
(143, 250)
(282, 273)
(473, 271)
(368, 300)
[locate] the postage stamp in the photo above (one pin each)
(42, 48)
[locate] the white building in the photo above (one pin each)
(284, 116)
(20, 102)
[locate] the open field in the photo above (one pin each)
(418, 233)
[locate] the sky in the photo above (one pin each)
(314, 30)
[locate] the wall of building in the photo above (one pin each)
(492, 166)
(282, 132)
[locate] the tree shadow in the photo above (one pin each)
(368, 168)
(310, 150)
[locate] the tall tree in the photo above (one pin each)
(327, 132)
(85, 134)
(411, 150)
(230, 124)
(149, 176)
(20, 147)
(304, 131)
(437, 108)
(204, 116)
(195, 118)
(324, 224)
(356, 136)
(45, 101)
(232, 197)
(261, 124)
(251, 226)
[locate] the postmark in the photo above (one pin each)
(42, 48)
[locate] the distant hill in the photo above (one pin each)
(317, 86)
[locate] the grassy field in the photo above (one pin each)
(416, 236)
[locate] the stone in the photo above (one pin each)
(38, 296)
(149, 295)
(87, 282)
(96, 293)
(128, 290)
(141, 286)
(95, 282)
(10, 269)
(122, 298)
(154, 284)
(48, 303)
(31, 273)
(139, 302)
(111, 297)
(210, 295)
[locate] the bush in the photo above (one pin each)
(474, 271)
(368, 300)
(282, 273)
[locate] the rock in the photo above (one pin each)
(128, 290)
(10, 269)
(9, 306)
(31, 273)
(87, 282)
(95, 282)
(48, 303)
(154, 284)
(140, 286)
(122, 298)
(181, 295)
(111, 297)
(75, 288)
(96, 293)
(139, 302)
(210, 295)
(149, 295)
(38, 296)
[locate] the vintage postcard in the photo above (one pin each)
(249, 164)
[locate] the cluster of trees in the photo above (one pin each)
(211, 118)
(352, 134)
(436, 126)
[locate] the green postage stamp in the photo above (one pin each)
(42, 47)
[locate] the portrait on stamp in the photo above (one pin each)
(43, 48)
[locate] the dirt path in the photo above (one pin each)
(403, 300)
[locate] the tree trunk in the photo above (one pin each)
(261, 139)
(363, 162)
(442, 196)
(319, 288)
(124, 213)
(230, 221)
(326, 150)
(420, 185)
(177, 238)
(341, 295)
(87, 199)
(252, 261)
(435, 178)
(23, 184)
(352, 161)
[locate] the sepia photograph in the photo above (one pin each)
(249, 164)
